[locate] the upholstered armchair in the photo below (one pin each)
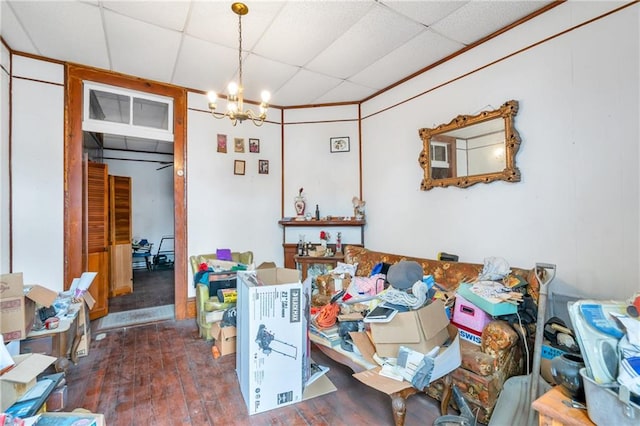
(203, 303)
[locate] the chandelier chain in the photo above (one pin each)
(240, 50)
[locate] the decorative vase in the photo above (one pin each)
(300, 205)
(565, 370)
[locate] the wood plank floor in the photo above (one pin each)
(163, 374)
(150, 288)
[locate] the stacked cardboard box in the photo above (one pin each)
(18, 305)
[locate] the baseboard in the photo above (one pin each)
(191, 307)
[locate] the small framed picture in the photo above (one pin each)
(254, 145)
(340, 144)
(238, 167)
(222, 143)
(238, 144)
(263, 167)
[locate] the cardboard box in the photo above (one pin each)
(57, 399)
(272, 345)
(18, 305)
(84, 322)
(468, 334)
(224, 338)
(420, 330)
(493, 309)
(22, 377)
(448, 359)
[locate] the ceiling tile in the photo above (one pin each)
(478, 19)
(263, 74)
(12, 32)
(303, 29)
(424, 12)
(303, 88)
(205, 66)
(360, 46)
(69, 31)
(427, 48)
(131, 45)
(172, 14)
(346, 91)
(216, 22)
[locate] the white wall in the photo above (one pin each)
(37, 166)
(239, 212)
(330, 180)
(152, 213)
(577, 203)
(5, 68)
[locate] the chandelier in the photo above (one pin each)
(235, 98)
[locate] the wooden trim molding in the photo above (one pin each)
(73, 204)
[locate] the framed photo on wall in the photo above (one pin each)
(254, 145)
(222, 143)
(340, 144)
(263, 167)
(238, 167)
(238, 144)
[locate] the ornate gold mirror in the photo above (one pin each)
(471, 149)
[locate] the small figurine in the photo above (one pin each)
(358, 208)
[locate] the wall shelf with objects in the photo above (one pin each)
(351, 229)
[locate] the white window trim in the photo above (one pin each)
(126, 129)
(436, 163)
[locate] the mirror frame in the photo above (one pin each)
(512, 143)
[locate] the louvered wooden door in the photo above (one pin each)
(97, 202)
(120, 235)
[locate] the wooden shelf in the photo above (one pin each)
(313, 222)
(290, 248)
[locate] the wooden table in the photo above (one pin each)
(305, 261)
(359, 364)
(553, 412)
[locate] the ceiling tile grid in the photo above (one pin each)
(304, 52)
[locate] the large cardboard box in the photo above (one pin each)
(18, 305)
(420, 330)
(272, 345)
(22, 377)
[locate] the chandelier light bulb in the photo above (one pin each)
(232, 107)
(213, 97)
(233, 88)
(265, 95)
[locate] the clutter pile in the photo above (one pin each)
(426, 308)
(608, 334)
(215, 280)
(29, 316)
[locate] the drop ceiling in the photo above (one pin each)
(303, 52)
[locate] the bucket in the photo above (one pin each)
(450, 420)
(606, 407)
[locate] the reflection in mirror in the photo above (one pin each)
(471, 149)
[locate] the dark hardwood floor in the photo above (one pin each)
(164, 374)
(150, 288)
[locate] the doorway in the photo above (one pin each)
(74, 242)
(141, 191)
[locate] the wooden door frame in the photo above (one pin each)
(75, 262)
